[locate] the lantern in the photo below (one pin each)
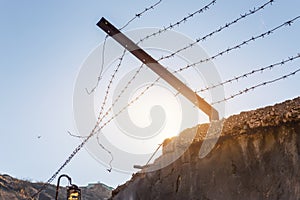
(73, 191)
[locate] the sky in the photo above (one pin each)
(43, 46)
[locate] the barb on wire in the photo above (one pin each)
(129, 104)
(238, 46)
(198, 40)
(138, 15)
(227, 25)
(124, 89)
(147, 37)
(178, 23)
(110, 84)
(98, 128)
(262, 69)
(256, 86)
(125, 107)
(77, 149)
(93, 132)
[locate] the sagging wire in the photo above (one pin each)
(101, 68)
(76, 136)
(109, 152)
(125, 107)
(139, 69)
(238, 46)
(137, 15)
(94, 132)
(153, 34)
(246, 75)
(198, 40)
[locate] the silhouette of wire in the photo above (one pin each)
(238, 46)
(256, 86)
(172, 54)
(101, 68)
(178, 23)
(227, 25)
(246, 75)
(98, 128)
(138, 15)
(109, 152)
(76, 136)
(213, 57)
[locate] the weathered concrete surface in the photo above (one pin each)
(257, 157)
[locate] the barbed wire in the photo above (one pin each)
(129, 104)
(89, 92)
(138, 15)
(238, 46)
(171, 26)
(99, 120)
(178, 23)
(77, 149)
(189, 46)
(110, 84)
(98, 128)
(125, 107)
(100, 117)
(242, 16)
(147, 37)
(245, 75)
(227, 25)
(256, 86)
(93, 132)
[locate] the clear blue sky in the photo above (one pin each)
(43, 45)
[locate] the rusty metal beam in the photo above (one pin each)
(158, 69)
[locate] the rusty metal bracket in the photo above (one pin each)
(158, 69)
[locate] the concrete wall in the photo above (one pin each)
(257, 157)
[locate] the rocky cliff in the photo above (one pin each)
(14, 189)
(256, 157)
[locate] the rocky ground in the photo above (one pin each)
(14, 189)
(257, 156)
